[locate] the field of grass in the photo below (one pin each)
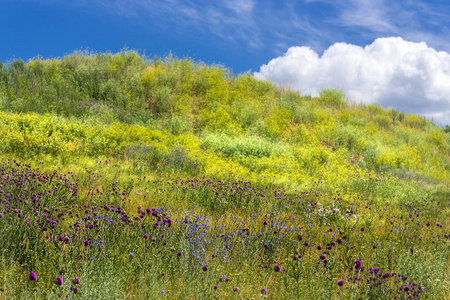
(124, 177)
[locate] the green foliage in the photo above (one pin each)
(375, 109)
(384, 122)
(242, 146)
(415, 121)
(350, 138)
(332, 98)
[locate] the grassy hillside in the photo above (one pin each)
(161, 178)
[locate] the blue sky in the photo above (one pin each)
(306, 44)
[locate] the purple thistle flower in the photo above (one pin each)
(215, 287)
(205, 268)
(277, 268)
(357, 264)
(406, 288)
(33, 276)
(236, 289)
(180, 253)
(340, 282)
(306, 244)
(76, 280)
(319, 247)
(59, 281)
(263, 291)
(266, 266)
(362, 229)
(323, 256)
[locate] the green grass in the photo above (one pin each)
(217, 170)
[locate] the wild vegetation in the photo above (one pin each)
(126, 177)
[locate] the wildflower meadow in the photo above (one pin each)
(123, 177)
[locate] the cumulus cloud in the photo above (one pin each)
(391, 71)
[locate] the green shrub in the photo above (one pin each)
(163, 98)
(375, 109)
(383, 122)
(332, 98)
(414, 121)
(177, 124)
(242, 146)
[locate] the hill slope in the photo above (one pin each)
(128, 178)
(250, 125)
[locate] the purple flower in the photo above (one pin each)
(306, 244)
(76, 280)
(236, 289)
(266, 266)
(180, 253)
(340, 282)
(277, 268)
(33, 276)
(263, 291)
(319, 247)
(362, 229)
(406, 288)
(323, 256)
(205, 268)
(357, 264)
(59, 281)
(75, 290)
(215, 287)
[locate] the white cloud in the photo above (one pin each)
(391, 71)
